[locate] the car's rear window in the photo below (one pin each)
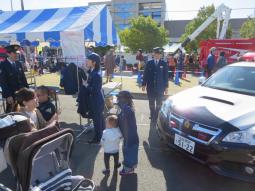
(237, 79)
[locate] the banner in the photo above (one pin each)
(73, 47)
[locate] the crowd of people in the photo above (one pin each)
(111, 130)
(36, 105)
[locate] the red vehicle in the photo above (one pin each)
(3, 54)
(249, 56)
(234, 48)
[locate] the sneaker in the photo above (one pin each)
(118, 166)
(106, 171)
(124, 171)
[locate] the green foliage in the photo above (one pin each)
(208, 33)
(143, 33)
(248, 29)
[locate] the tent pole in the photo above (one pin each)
(11, 6)
(22, 5)
(121, 79)
(78, 82)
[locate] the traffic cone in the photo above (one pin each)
(177, 80)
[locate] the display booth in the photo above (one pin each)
(65, 29)
(71, 27)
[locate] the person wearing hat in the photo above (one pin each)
(128, 128)
(211, 62)
(12, 76)
(96, 97)
(155, 81)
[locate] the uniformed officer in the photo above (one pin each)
(155, 80)
(12, 76)
(96, 97)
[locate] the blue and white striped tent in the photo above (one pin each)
(94, 23)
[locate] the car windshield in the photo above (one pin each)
(237, 79)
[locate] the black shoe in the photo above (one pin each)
(94, 141)
(106, 171)
(118, 166)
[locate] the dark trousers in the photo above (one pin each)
(209, 72)
(99, 124)
(171, 72)
(155, 103)
(107, 159)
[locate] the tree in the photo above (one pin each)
(208, 33)
(143, 33)
(248, 28)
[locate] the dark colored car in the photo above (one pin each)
(214, 123)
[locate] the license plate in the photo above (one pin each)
(184, 143)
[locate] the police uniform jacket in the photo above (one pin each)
(96, 97)
(156, 76)
(12, 78)
(83, 102)
(47, 110)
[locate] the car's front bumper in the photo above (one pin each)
(231, 160)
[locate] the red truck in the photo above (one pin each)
(3, 54)
(234, 48)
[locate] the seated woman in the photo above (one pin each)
(46, 107)
(27, 104)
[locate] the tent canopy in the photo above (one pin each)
(94, 23)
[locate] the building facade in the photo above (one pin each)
(123, 11)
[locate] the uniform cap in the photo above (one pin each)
(12, 48)
(94, 57)
(212, 49)
(158, 50)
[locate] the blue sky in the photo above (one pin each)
(175, 5)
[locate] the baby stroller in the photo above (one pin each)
(40, 161)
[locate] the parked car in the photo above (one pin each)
(249, 56)
(214, 123)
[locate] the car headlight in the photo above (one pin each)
(166, 107)
(246, 137)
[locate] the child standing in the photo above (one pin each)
(46, 107)
(128, 127)
(110, 141)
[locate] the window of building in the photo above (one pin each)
(123, 26)
(145, 14)
(156, 16)
(146, 6)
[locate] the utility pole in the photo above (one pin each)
(22, 5)
(11, 6)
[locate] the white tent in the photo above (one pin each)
(70, 26)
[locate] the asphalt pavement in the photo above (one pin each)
(160, 168)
